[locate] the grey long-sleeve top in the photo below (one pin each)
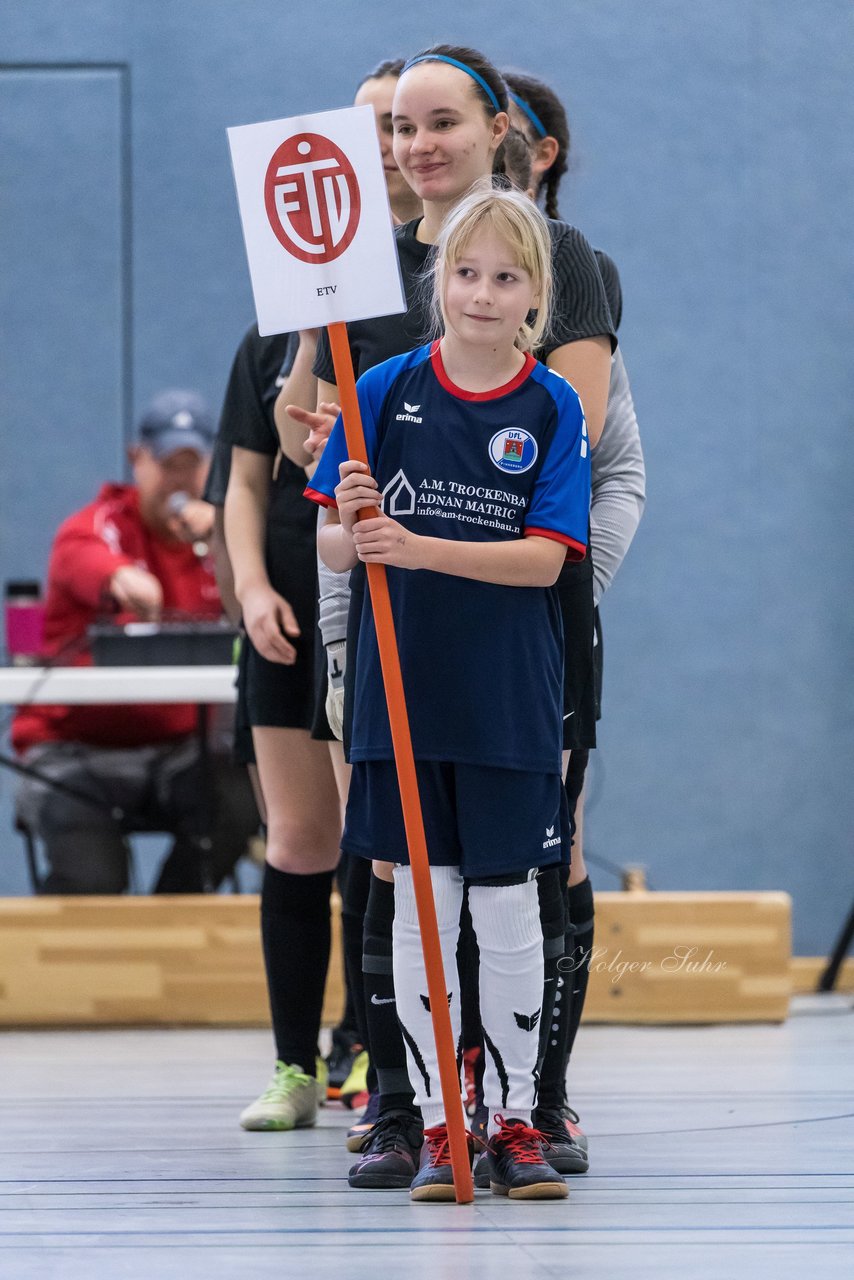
(618, 481)
(334, 600)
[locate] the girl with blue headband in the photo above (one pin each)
(618, 496)
(450, 117)
(538, 113)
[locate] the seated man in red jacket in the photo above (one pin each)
(135, 552)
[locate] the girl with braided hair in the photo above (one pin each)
(618, 496)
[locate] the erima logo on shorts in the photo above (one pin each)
(513, 450)
(409, 414)
(551, 839)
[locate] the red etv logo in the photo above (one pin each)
(312, 197)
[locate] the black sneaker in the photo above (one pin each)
(563, 1152)
(573, 1127)
(345, 1049)
(516, 1165)
(481, 1176)
(389, 1152)
(479, 1126)
(357, 1132)
(435, 1177)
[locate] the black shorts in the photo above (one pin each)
(271, 694)
(244, 748)
(319, 723)
(579, 676)
(483, 820)
(598, 662)
(574, 781)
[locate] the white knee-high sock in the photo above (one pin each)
(410, 980)
(506, 920)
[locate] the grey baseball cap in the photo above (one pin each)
(177, 420)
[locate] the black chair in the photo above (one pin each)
(36, 862)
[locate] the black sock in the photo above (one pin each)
(551, 885)
(387, 1050)
(354, 877)
(575, 982)
(295, 934)
(468, 960)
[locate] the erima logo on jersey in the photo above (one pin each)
(525, 1021)
(513, 450)
(409, 414)
(551, 839)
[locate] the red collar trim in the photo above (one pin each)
(494, 394)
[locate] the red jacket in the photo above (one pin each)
(86, 552)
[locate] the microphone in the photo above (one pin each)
(176, 505)
(177, 502)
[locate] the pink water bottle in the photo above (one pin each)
(24, 623)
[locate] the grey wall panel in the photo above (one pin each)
(61, 300)
(64, 307)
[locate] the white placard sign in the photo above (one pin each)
(316, 220)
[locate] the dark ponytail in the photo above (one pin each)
(517, 159)
(391, 67)
(549, 109)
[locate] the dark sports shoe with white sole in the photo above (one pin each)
(339, 1063)
(435, 1177)
(570, 1119)
(517, 1167)
(480, 1174)
(563, 1152)
(357, 1132)
(390, 1153)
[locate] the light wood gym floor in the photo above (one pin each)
(719, 1152)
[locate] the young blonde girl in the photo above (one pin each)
(479, 471)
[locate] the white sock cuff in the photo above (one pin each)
(506, 918)
(447, 895)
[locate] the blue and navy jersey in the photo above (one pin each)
(482, 664)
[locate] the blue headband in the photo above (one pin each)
(529, 112)
(461, 66)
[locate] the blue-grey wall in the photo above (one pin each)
(712, 160)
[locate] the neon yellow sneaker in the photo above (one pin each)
(288, 1102)
(322, 1078)
(354, 1090)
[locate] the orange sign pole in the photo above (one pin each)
(410, 802)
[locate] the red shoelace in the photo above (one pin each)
(438, 1144)
(523, 1143)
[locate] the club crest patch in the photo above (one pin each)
(513, 450)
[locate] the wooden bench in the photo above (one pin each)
(658, 958)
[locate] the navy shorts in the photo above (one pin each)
(487, 822)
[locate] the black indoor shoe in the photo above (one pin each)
(389, 1153)
(517, 1167)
